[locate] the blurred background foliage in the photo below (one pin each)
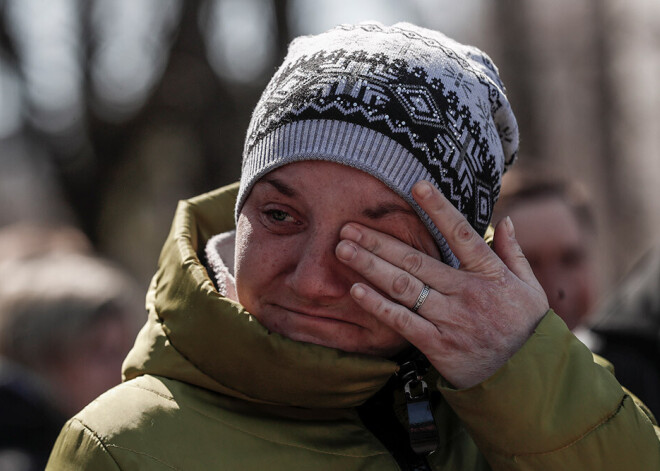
(112, 110)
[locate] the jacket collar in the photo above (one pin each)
(194, 334)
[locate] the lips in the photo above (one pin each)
(316, 315)
(331, 327)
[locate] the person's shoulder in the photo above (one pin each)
(122, 408)
(118, 428)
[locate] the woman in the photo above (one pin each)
(329, 326)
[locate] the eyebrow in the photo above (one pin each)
(280, 186)
(377, 212)
(385, 209)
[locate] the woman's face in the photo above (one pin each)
(287, 273)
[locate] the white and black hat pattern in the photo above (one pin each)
(402, 103)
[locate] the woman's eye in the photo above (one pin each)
(279, 215)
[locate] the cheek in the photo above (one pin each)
(246, 260)
(587, 288)
(418, 236)
(244, 233)
(259, 258)
(245, 255)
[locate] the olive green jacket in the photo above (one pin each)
(207, 387)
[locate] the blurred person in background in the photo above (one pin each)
(555, 228)
(25, 239)
(627, 329)
(67, 320)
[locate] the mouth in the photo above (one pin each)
(315, 316)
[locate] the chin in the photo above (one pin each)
(339, 341)
(332, 333)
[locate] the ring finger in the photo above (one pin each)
(395, 282)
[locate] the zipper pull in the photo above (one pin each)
(422, 430)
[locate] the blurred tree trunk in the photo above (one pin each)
(513, 30)
(605, 97)
(187, 139)
(617, 152)
(184, 140)
(280, 7)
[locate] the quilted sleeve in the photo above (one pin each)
(77, 447)
(553, 406)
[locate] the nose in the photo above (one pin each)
(318, 276)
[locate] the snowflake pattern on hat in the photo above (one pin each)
(441, 102)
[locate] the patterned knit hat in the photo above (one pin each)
(402, 103)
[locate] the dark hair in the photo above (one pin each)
(529, 184)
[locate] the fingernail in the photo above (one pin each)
(509, 227)
(358, 292)
(351, 232)
(422, 189)
(346, 251)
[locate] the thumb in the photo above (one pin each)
(506, 247)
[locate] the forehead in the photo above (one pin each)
(546, 221)
(329, 180)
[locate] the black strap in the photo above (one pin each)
(378, 416)
(409, 448)
(422, 430)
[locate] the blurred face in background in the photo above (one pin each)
(557, 244)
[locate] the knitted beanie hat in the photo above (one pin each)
(402, 103)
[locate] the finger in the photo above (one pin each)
(391, 280)
(398, 253)
(412, 327)
(468, 246)
(507, 248)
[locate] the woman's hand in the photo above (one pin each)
(474, 318)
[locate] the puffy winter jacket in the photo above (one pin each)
(207, 387)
